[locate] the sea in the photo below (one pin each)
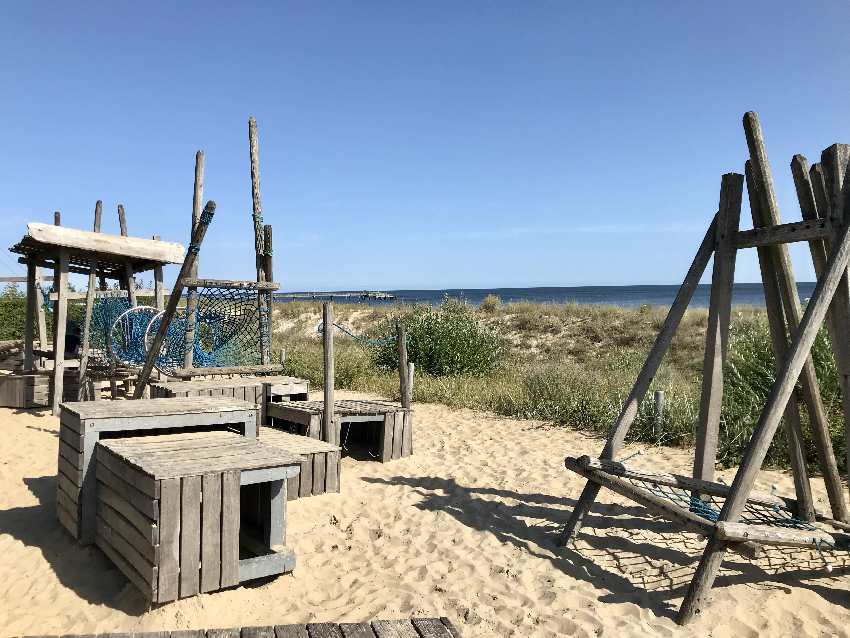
(743, 294)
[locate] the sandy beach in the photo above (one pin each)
(465, 528)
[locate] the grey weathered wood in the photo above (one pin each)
(268, 253)
(357, 630)
(143, 528)
(306, 477)
(768, 260)
(394, 629)
(717, 332)
(192, 297)
(332, 479)
(765, 535)
(386, 438)
(806, 230)
(324, 630)
(230, 284)
(30, 318)
(169, 540)
(41, 319)
(403, 376)
(398, 433)
(60, 319)
(431, 628)
(328, 429)
(838, 325)
(186, 373)
(231, 632)
(288, 631)
(319, 468)
(407, 435)
(90, 291)
(269, 565)
(147, 505)
(158, 284)
(174, 298)
(621, 426)
(141, 564)
(190, 536)
(129, 279)
(266, 631)
(123, 565)
(786, 380)
(230, 528)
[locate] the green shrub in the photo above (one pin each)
(13, 304)
(490, 304)
(443, 341)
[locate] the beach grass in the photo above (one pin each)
(573, 365)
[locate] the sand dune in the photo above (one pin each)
(464, 528)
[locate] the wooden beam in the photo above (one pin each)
(119, 247)
(717, 332)
(779, 342)
(20, 280)
(328, 429)
(158, 289)
(403, 375)
(174, 298)
(90, 293)
(188, 373)
(42, 320)
(620, 427)
(230, 284)
(129, 280)
(257, 216)
(781, 536)
(112, 293)
(192, 294)
(30, 318)
(60, 319)
(838, 326)
(806, 230)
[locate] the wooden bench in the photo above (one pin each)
(413, 628)
(393, 422)
(174, 511)
(82, 424)
(320, 466)
(259, 390)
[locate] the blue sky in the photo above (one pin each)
(417, 144)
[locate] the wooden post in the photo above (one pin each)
(779, 341)
(266, 344)
(404, 390)
(262, 308)
(174, 298)
(86, 337)
(620, 427)
(192, 298)
(769, 208)
(129, 277)
(838, 325)
(59, 321)
(42, 320)
(30, 320)
(98, 217)
(781, 392)
(328, 429)
(158, 290)
(57, 221)
(836, 186)
(267, 252)
(717, 333)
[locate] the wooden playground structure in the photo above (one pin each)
(732, 517)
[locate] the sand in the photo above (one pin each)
(465, 528)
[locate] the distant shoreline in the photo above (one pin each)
(743, 294)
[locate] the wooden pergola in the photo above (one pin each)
(98, 255)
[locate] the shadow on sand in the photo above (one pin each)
(508, 520)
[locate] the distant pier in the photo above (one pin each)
(363, 294)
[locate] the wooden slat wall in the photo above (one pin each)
(405, 628)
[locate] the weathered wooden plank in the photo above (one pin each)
(230, 284)
(229, 528)
(117, 465)
(258, 632)
(268, 565)
(324, 630)
(188, 633)
(806, 230)
(211, 533)
(289, 631)
(328, 429)
(60, 317)
(267, 368)
(117, 246)
(306, 481)
(332, 481)
(169, 538)
(394, 629)
(398, 432)
(142, 565)
(146, 505)
(319, 466)
(785, 537)
(75, 474)
(124, 567)
(431, 628)
(233, 632)
(190, 535)
(72, 456)
(143, 527)
(387, 437)
(357, 630)
(407, 435)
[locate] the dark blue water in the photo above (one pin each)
(627, 296)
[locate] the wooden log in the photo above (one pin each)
(90, 290)
(230, 284)
(42, 320)
(404, 390)
(129, 279)
(838, 325)
(806, 230)
(268, 253)
(60, 319)
(328, 433)
(782, 536)
(717, 332)
(621, 426)
(192, 298)
(778, 332)
(30, 318)
(257, 216)
(174, 299)
(778, 398)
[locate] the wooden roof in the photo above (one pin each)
(43, 243)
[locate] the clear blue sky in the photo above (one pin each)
(417, 144)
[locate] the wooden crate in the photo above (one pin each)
(320, 466)
(34, 390)
(258, 390)
(82, 424)
(171, 511)
(392, 423)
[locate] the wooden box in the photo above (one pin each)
(320, 466)
(34, 390)
(175, 511)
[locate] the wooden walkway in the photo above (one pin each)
(413, 628)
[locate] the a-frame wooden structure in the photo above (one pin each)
(732, 517)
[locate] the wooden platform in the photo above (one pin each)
(258, 390)
(394, 423)
(320, 467)
(176, 511)
(82, 424)
(412, 628)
